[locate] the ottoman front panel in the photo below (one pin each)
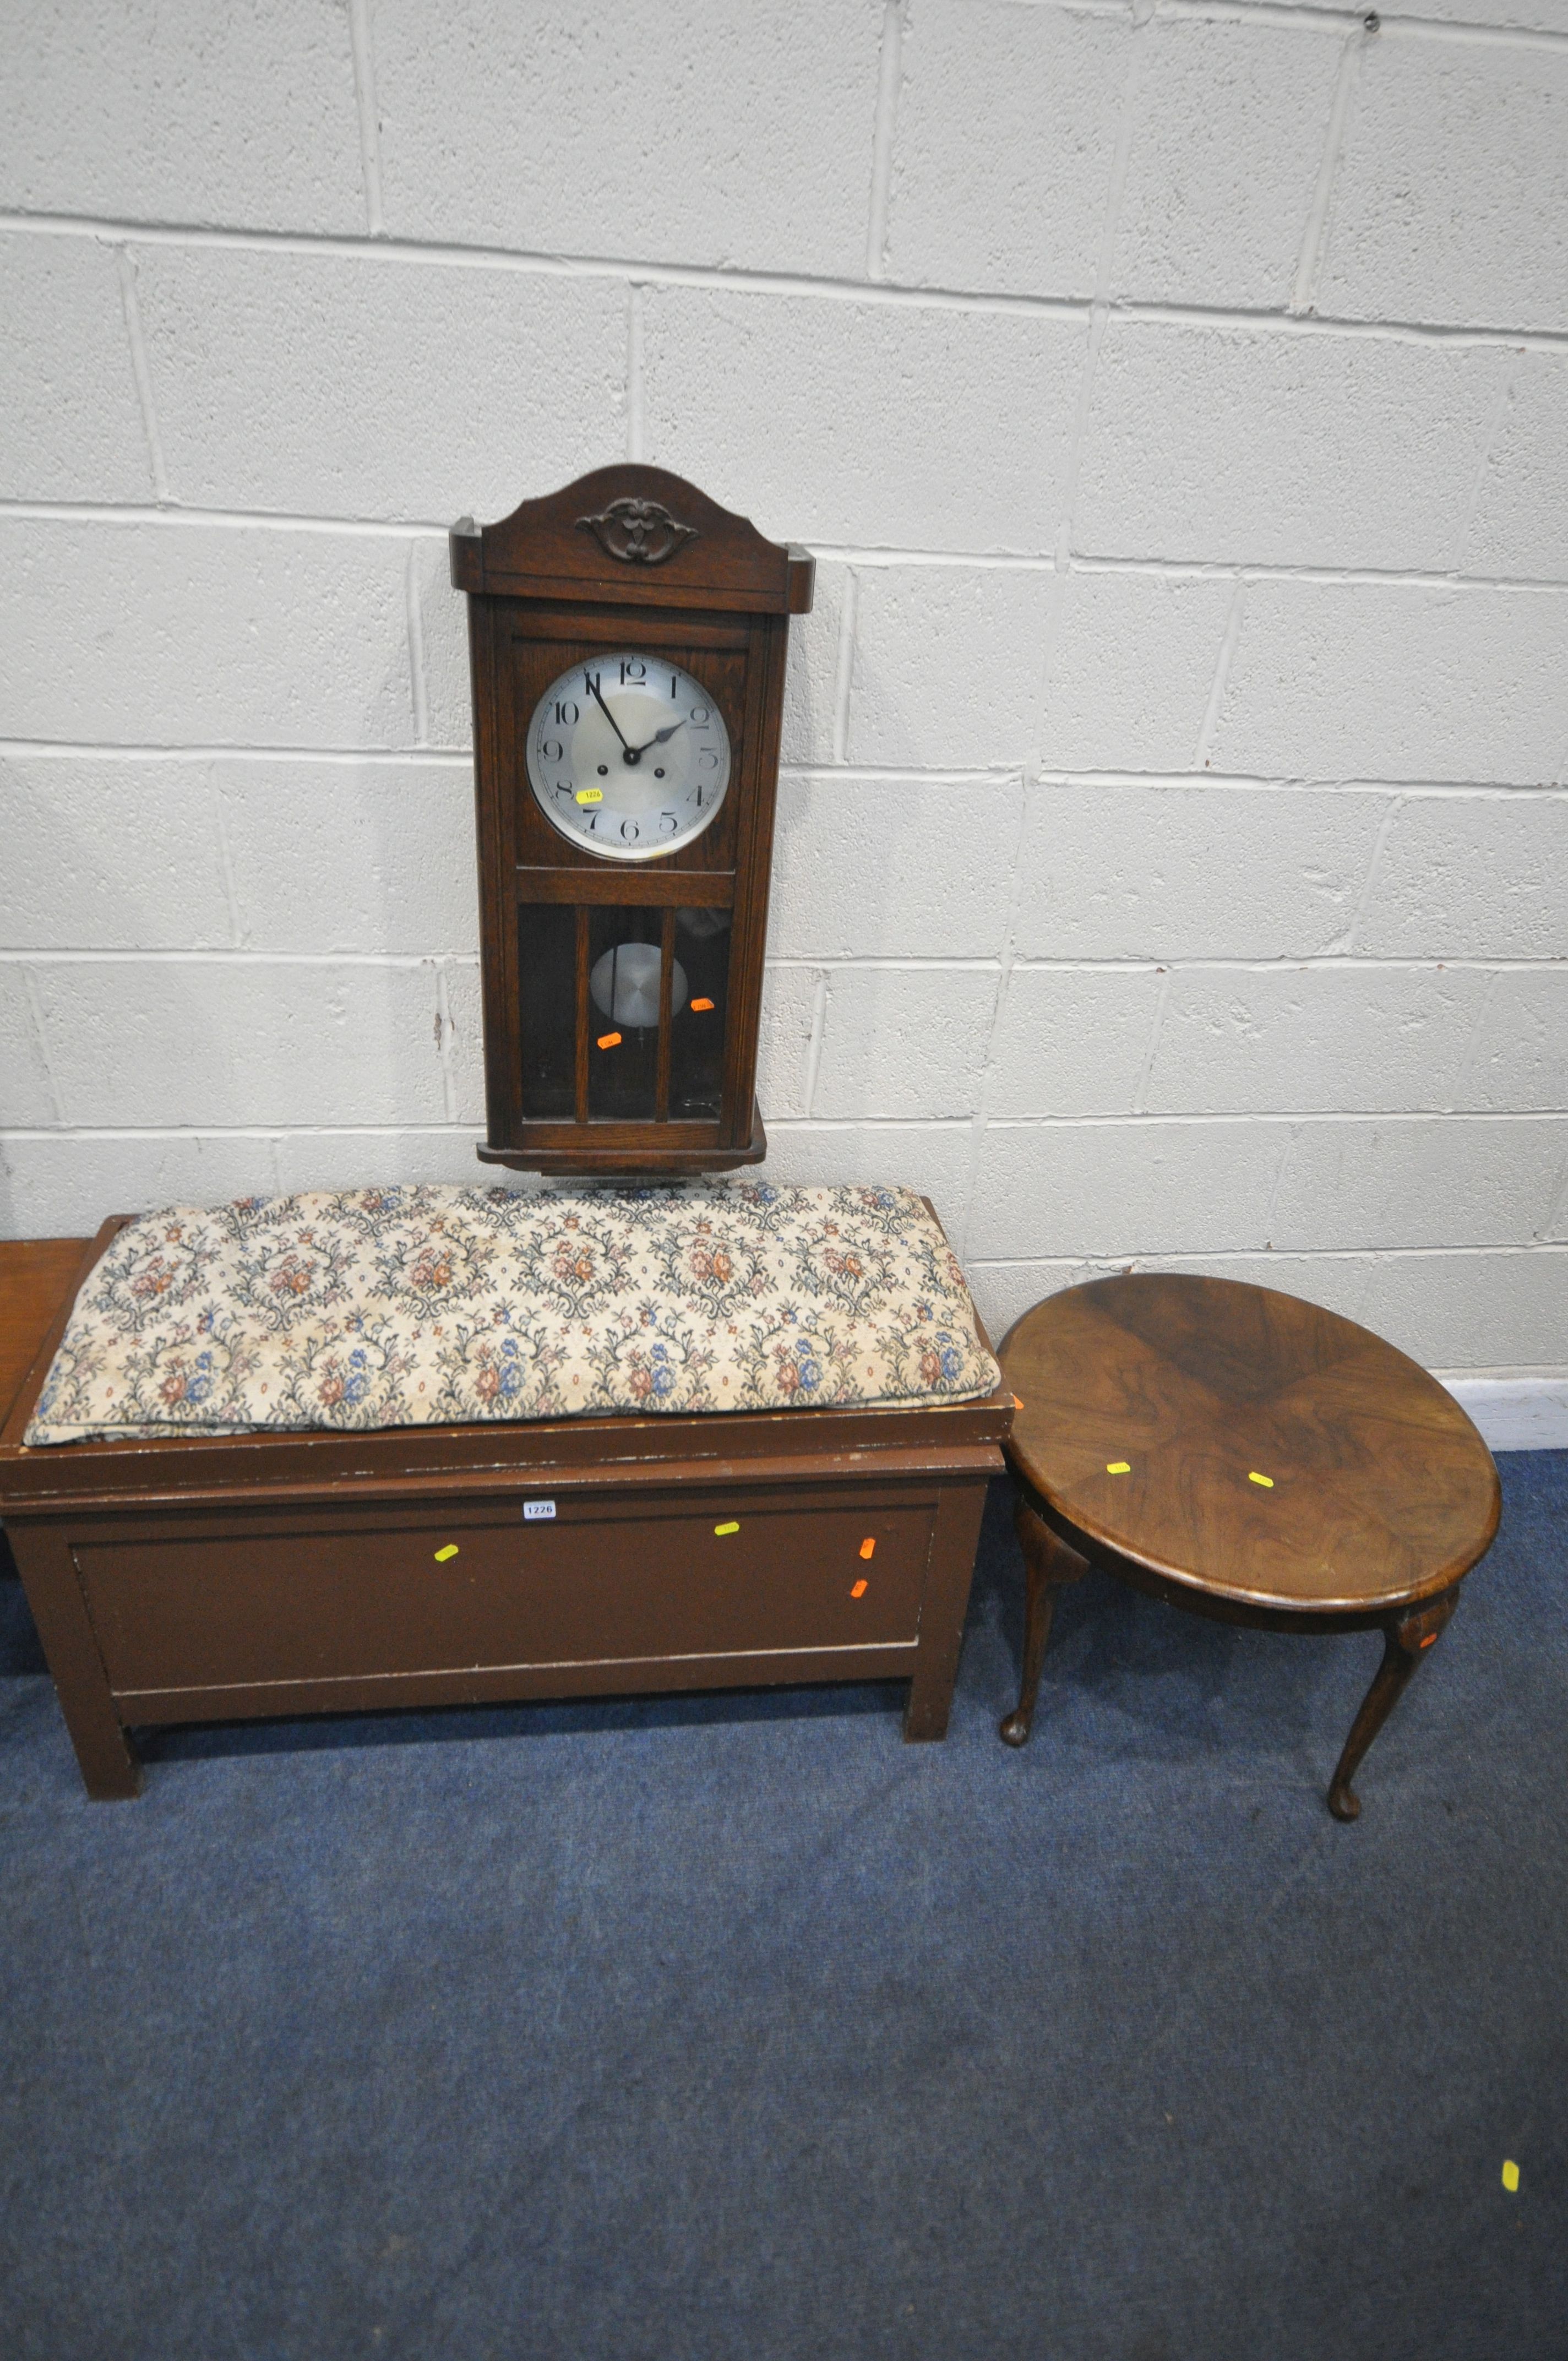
(291, 1598)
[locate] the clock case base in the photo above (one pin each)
(634, 1163)
(594, 565)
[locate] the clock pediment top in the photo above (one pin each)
(632, 532)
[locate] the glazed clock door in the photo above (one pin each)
(626, 767)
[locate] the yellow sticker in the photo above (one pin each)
(590, 795)
(1511, 2175)
(727, 1529)
(442, 1554)
(1253, 1477)
(1118, 1468)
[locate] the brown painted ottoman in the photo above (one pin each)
(179, 1572)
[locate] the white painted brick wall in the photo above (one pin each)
(1173, 860)
(318, 385)
(1452, 201)
(68, 393)
(1234, 446)
(991, 187)
(1227, 132)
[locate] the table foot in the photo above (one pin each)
(1405, 1640)
(1048, 1564)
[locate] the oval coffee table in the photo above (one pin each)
(1250, 1457)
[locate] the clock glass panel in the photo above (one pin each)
(628, 755)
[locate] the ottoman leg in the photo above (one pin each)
(1050, 1564)
(1405, 1640)
(107, 1760)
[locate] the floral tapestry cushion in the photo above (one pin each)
(410, 1307)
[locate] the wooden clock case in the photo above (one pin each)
(629, 556)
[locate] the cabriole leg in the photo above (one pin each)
(1406, 1639)
(1050, 1564)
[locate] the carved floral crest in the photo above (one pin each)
(639, 533)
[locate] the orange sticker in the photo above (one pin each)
(868, 1547)
(1017, 1404)
(702, 1003)
(1431, 1640)
(608, 1040)
(859, 1591)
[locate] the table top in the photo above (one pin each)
(1151, 1405)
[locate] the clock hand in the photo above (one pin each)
(610, 718)
(659, 737)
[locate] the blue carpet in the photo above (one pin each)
(692, 2030)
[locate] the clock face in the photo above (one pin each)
(628, 755)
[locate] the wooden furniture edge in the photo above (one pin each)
(1130, 1561)
(1144, 1572)
(21, 1406)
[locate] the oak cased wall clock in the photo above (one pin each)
(628, 640)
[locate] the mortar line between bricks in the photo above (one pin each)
(124, 265)
(199, 1131)
(229, 955)
(1221, 569)
(1151, 1046)
(1374, 861)
(889, 77)
(844, 666)
(802, 1125)
(1330, 20)
(635, 402)
(1473, 1046)
(1274, 1253)
(1121, 163)
(1557, 1207)
(1315, 233)
(1493, 429)
(1281, 1166)
(418, 690)
(1021, 561)
(988, 1063)
(826, 961)
(1255, 1116)
(446, 1032)
(225, 859)
(362, 43)
(460, 758)
(40, 1042)
(403, 251)
(813, 1047)
(1230, 640)
(152, 750)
